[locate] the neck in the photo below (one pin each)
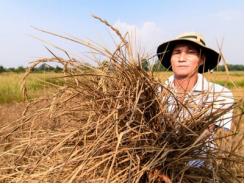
(185, 84)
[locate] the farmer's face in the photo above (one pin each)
(185, 60)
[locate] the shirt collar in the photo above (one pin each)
(201, 84)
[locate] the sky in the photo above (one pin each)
(221, 22)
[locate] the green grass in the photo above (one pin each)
(37, 83)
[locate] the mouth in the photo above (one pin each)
(182, 66)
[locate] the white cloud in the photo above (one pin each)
(147, 36)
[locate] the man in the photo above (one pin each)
(188, 57)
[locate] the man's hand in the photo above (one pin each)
(157, 176)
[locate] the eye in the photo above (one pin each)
(176, 51)
(191, 51)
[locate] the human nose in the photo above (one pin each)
(182, 57)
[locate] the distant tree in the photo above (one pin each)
(230, 67)
(2, 69)
(158, 67)
(58, 69)
(20, 69)
(44, 67)
(236, 67)
(145, 64)
(11, 69)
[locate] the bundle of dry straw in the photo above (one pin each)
(112, 124)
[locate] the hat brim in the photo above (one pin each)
(164, 52)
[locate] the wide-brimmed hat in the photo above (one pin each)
(212, 58)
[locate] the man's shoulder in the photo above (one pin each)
(204, 84)
(221, 95)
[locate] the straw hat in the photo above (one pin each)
(164, 51)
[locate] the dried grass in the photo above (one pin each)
(111, 124)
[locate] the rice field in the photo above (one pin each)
(51, 144)
(37, 85)
(43, 84)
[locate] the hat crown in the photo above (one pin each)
(194, 37)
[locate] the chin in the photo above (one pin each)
(181, 75)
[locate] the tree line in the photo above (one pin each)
(42, 68)
(144, 64)
(159, 67)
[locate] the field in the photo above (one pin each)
(40, 85)
(37, 85)
(12, 101)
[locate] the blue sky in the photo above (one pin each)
(153, 21)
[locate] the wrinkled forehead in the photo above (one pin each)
(187, 45)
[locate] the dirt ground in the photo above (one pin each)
(11, 112)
